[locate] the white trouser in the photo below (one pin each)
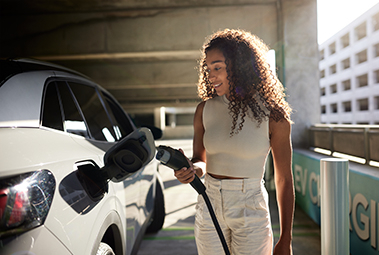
(241, 207)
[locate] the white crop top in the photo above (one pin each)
(244, 154)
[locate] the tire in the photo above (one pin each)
(159, 212)
(104, 249)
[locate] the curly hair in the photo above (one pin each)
(249, 74)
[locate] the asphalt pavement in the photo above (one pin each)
(177, 235)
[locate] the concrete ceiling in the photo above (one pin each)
(157, 68)
(11, 7)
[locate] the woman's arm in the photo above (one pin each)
(281, 147)
(198, 160)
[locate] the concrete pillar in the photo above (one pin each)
(160, 117)
(301, 65)
(172, 120)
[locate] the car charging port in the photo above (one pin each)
(92, 180)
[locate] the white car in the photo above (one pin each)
(76, 175)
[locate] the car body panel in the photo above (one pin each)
(41, 150)
(33, 242)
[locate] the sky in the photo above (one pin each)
(333, 15)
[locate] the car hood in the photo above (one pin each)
(30, 149)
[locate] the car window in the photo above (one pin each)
(73, 120)
(51, 113)
(94, 113)
(122, 124)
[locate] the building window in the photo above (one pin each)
(376, 50)
(346, 106)
(363, 104)
(333, 89)
(332, 48)
(322, 54)
(345, 63)
(323, 92)
(362, 80)
(346, 85)
(361, 56)
(377, 103)
(333, 69)
(323, 109)
(360, 31)
(376, 76)
(345, 40)
(375, 21)
(322, 74)
(334, 108)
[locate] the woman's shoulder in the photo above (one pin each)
(282, 126)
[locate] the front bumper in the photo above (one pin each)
(36, 241)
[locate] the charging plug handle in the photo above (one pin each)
(176, 160)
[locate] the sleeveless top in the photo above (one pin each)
(242, 155)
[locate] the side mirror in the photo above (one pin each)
(157, 132)
(129, 155)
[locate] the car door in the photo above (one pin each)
(147, 176)
(132, 191)
(108, 123)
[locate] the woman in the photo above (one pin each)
(243, 115)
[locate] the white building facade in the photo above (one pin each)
(349, 73)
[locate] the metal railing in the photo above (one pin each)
(358, 141)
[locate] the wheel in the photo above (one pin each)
(159, 212)
(104, 249)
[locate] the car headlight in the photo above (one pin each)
(25, 201)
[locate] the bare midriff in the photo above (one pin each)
(223, 176)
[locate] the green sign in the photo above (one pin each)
(363, 197)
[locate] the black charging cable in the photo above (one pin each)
(176, 160)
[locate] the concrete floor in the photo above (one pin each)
(177, 237)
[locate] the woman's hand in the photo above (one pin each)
(185, 175)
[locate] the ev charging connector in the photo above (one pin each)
(176, 160)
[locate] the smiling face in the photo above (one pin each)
(217, 72)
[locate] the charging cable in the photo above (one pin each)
(176, 160)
